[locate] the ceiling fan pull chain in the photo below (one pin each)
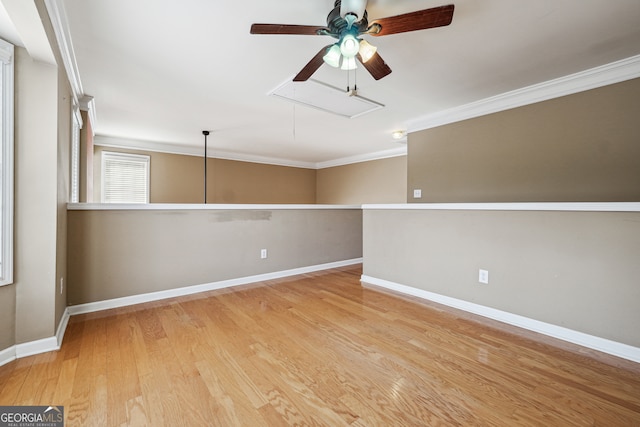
(355, 79)
(348, 82)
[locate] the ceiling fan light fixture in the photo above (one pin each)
(332, 57)
(367, 50)
(349, 64)
(349, 46)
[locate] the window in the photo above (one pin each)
(125, 178)
(76, 125)
(6, 163)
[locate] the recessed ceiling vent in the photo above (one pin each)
(322, 96)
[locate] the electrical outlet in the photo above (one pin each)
(417, 194)
(263, 253)
(483, 276)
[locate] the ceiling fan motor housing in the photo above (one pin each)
(337, 24)
(352, 7)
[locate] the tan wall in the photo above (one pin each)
(577, 270)
(582, 147)
(378, 181)
(64, 187)
(180, 179)
(244, 182)
(7, 316)
(36, 185)
(124, 253)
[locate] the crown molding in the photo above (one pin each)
(58, 17)
(377, 155)
(243, 157)
(615, 72)
(60, 25)
(88, 104)
(192, 150)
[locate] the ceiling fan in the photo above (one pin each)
(347, 22)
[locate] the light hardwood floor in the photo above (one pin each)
(317, 350)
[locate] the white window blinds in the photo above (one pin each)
(125, 178)
(75, 155)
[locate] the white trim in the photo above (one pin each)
(6, 52)
(210, 206)
(7, 158)
(58, 17)
(614, 348)
(7, 355)
(194, 150)
(77, 116)
(378, 155)
(189, 290)
(62, 327)
(88, 104)
(39, 346)
(60, 24)
(36, 347)
(604, 75)
(74, 167)
(542, 206)
(191, 150)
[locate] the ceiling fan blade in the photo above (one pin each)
(312, 66)
(376, 66)
(413, 21)
(305, 30)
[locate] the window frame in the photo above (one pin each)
(113, 155)
(76, 125)
(6, 161)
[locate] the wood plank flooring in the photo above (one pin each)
(317, 350)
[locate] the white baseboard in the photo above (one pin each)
(62, 327)
(36, 347)
(189, 290)
(8, 355)
(614, 348)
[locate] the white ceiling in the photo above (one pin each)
(162, 71)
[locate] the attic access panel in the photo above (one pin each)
(322, 96)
